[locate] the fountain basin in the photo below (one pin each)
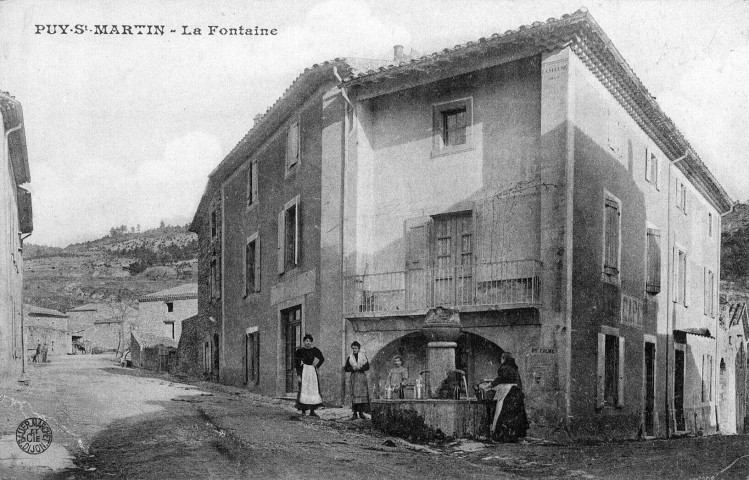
(465, 418)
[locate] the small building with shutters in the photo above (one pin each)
(527, 183)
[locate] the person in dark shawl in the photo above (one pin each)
(510, 421)
(357, 364)
(308, 359)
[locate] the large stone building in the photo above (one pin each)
(15, 224)
(162, 313)
(46, 326)
(527, 181)
(102, 326)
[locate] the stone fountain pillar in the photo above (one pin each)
(442, 329)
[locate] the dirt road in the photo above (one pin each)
(111, 423)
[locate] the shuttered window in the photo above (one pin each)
(288, 236)
(707, 378)
(612, 229)
(653, 282)
(252, 264)
(292, 146)
(252, 183)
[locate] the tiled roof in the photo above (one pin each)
(182, 292)
(584, 36)
(305, 85)
(89, 307)
(735, 311)
(146, 340)
(35, 311)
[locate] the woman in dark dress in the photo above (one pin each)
(308, 359)
(510, 421)
(357, 364)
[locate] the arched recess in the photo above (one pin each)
(476, 355)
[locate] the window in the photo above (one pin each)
(215, 279)
(652, 169)
(292, 146)
(709, 224)
(610, 370)
(612, 238)
(252, 265)
(653, 281)
(252, 183)
(170, 330)
(169, 307)
(288, 236)
(252, 356)
(709, 292)
(291, 323)
(680, 276)
(707, 378)
(681, 196)
(452, 123)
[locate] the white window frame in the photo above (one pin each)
(293, 146)
(255, 237)
(615, 279)
(281, 246)
(438, 110)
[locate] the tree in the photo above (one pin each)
(122, 313)
(162, 224)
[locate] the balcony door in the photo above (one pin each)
(452, 252)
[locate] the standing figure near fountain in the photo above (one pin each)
(510, 421)
(358, 364)
(308, 359)
(398, 377)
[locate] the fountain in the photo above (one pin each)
(443, 406)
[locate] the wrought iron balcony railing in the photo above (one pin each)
(515, 283)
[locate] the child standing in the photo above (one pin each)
(398, 376)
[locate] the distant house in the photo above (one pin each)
(44, 325)
(152, 352)
(101, 326)
(15, 219)
(161, 313)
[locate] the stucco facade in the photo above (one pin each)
(101, 325)
(15, 224)
(43, 325)
(538, 193)
(161, 313)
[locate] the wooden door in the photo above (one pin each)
(649, 389)
(679, 390)
(292, 331)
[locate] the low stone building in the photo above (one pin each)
(101, 326)
(44, 325)
(152, 352)
(162, 313)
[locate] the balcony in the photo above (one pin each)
(485, 286)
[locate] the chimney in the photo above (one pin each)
(398, 53)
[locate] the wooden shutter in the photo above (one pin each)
(253, 181)
(653, 282)
(601, 374)
(620, 384)
(281, 240)
(417, 232)
(297, 219)
(438, 127)
(705, 294)
(611, 260)
(657, 167)
(687, 281)
(292, 145)
(648, 166)
(257, 263)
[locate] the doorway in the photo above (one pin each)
(649, 389)
(679, 390)
(291, 320)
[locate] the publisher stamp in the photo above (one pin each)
(34, 436)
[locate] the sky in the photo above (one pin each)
(123, 130)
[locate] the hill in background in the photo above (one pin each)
(122, 266)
